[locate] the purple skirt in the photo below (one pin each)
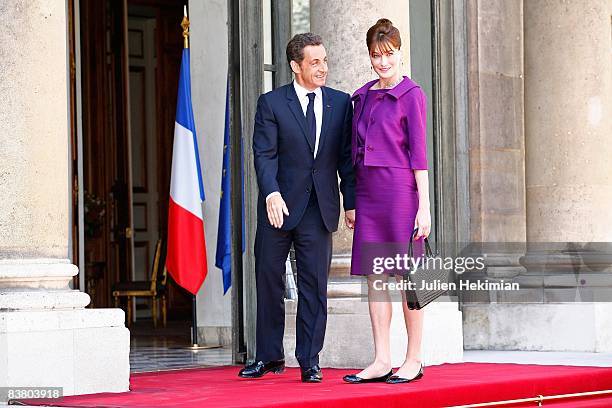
(386, 203)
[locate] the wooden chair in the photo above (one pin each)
(153, 289)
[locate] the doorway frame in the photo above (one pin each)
(78, 67)
(77, 131)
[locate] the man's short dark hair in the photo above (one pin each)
(295, 47)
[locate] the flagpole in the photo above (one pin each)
(194, 316)
(194, 324)
(185, 25)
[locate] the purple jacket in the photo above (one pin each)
(397, 133)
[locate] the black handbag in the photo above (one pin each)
(428, 282)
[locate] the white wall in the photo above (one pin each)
(209, 63)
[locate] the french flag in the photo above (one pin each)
(186, 258)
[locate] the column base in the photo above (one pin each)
(85, 351)
(538, 326)
(214, 335)
(349, 343)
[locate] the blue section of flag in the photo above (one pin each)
(223, 259)
(184, 111)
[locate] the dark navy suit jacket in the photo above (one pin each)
(284, 159)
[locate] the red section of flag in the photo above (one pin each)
(186, 259)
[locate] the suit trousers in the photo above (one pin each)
(313, 252)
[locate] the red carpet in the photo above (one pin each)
(443, 385)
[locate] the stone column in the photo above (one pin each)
(348, 343)
(568, 121)
(568, 172)
(343, 26)
(47, 337)
(568, 124)
(497, 152)
(497, 140)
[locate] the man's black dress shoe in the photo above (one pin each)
(312, 374)
(259, 368)
(394, 379)
(354, 379)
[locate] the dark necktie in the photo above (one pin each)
(311, 120)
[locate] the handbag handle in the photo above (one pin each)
(428, 251)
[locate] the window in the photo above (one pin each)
(281, 20)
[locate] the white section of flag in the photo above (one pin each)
(184, 183)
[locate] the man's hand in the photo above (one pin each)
(349, 219)
(276, 208)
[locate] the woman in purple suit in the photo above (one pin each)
(392, 192)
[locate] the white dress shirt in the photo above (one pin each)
(302, 94)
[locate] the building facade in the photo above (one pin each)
(519, 128)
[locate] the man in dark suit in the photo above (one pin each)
(301, 143)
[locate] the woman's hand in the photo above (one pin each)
(423, 222)
(423, 216)
(349, 219)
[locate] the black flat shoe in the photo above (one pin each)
(312, 374)
(394, 379)
(260, 368)
(354, 379)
